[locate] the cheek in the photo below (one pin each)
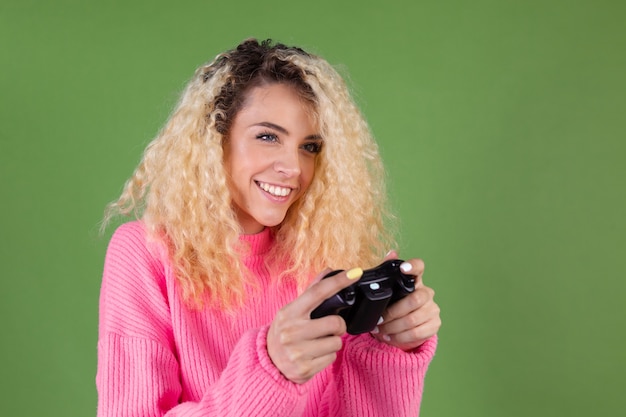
(239, 164)
(308, 172)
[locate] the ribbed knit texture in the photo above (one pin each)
(156, 357)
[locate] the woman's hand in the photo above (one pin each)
(301, 347)
(415, 318)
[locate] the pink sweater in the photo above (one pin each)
(158, 358)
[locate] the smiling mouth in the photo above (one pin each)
(274, 190)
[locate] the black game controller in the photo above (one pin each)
(362, 304)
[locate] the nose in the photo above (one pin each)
(288, 162)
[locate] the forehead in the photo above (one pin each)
(273, 91)
(277, 102)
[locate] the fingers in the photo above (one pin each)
(410, 331)
(412, 320)
(301, 364)
(413, 267)
(321, 275)
(410, 313)
(413, 337)
(299, 346)
(290, 328)
(300, 349)
(325, 288)
(412, 302)
(392, 254)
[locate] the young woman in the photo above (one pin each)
(265, 176)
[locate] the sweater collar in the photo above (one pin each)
(259, 243)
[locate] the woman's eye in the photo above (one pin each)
(267, 137)
(312, 147)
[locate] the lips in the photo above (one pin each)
(275, 190)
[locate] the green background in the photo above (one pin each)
(502, 124)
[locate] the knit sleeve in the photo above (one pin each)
(250, 385)
(138, 369)
(375, 379)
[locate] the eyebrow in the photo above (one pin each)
(285, 131)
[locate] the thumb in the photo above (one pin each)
(392, 254)
(320, 276)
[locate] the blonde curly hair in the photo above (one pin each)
(180, 188)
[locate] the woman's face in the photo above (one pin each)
(270, 155)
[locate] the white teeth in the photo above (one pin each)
(274, 189)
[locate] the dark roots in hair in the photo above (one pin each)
(252, 64)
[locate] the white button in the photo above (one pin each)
(374, 286)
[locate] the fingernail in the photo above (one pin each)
(375, 331)
(354, 273)
(386, 338)
(389, 253)
(380, 320)
(406, 267)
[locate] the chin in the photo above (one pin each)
(272, 221)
